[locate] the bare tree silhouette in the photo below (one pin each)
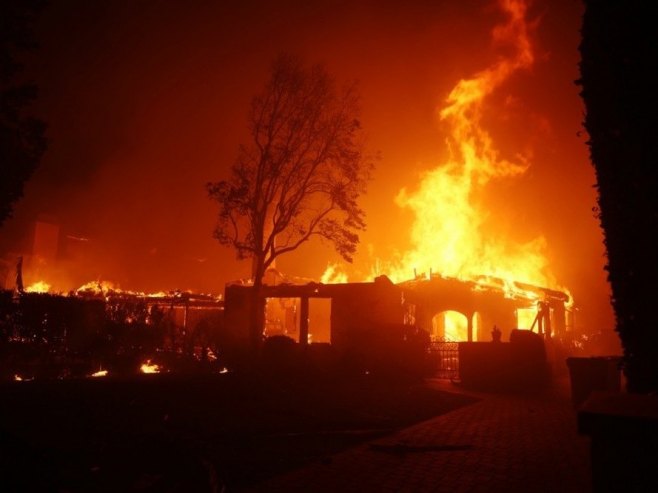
(300, 176)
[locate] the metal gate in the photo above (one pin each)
(445, 355)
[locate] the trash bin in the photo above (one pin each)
(593, 373)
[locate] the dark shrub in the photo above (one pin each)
(280, 354)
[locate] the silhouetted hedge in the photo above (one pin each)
(619, 77)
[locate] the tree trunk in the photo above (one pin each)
(257, 322)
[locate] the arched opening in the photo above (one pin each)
(450, 326)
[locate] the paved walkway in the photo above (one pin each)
(502, 443)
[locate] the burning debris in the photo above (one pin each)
(149, 367)
(101, 326)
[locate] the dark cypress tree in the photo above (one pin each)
(22, 140)
(619, 79)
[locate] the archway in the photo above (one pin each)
(450, 325)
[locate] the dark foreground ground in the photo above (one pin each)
(522, 442)
(160, 433)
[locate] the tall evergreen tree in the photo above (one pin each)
(619, 78)
(22, 137)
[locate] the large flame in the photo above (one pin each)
(453, 233)
(448, 234)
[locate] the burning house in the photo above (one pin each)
(355, 307)
(487, 333)
(362, 313)
(451, 309)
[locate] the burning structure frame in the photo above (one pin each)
(356, 307)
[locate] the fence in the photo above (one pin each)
(445, 356)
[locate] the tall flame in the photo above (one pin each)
(448, 232)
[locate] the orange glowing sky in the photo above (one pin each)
(147, 101)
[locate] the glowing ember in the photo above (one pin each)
(99, 373)
(149, 367)
(38, 287)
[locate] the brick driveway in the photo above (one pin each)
(502, 443)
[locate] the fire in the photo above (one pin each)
(452, 233)
(105, 288)
(454, 323)
(38, 287)
(333, 275)
(525, 317)
(148, 367)
(99, 373)
(98, 288)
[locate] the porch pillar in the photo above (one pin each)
(303, 322)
